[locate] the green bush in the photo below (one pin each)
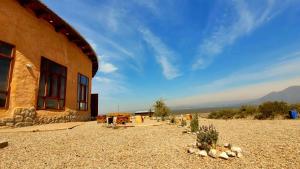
(223, 114)
(269, 110)
(183, 122)
(246, 110)
(207, 137)
(195, 123)
(295, 107)
(172, 120)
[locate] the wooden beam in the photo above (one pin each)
(40, 13)
(25, 2)
(59, 28)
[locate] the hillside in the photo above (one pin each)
(290, 95)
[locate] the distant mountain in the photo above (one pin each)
(290, 95)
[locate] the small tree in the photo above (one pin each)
(195, 123)
(160, 109)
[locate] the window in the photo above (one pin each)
(52, 89)
(6, 52)
(82, 92)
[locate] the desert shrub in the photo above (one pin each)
(161, 109)
(223, 114)
(207, 137)
(172, 119)
(269, 110)
(183, 122)
(295, 107)
(194, 123)
(245, 111)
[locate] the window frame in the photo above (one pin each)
(45, 96)
(79, 84)
(10, 71)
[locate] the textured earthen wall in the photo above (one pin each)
(33, 38)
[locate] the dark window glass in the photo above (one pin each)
(6, 49)
(62, 89)
(40, 103)
(2, 99)
(52, 103)
(5, 62)
(82, 92)
(4, 71)
(53, 81)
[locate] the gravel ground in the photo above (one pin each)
(266, 144)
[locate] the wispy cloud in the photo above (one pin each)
(286, 67)
(164, 56)
(107, 67)
(247, 84)
(242, 22)
(110, 86)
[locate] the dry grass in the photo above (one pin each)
(266, 144)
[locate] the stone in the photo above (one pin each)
(18, 118)
(202, 153)
(18, 111)
(236, 149)
(8, 120)
(20, 124)
(192, 150)
(192, 144)
(239, 155)
(32, 110)
(25, 112)
(3, 143)
(230, 153)
(213, 153)
(28, 119)
(9, 124)
(28, 123)
(224, 156)
(226, 145)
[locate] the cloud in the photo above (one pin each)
(164, 56)
(247, 84)
(111, 86)
(286, 67)
(244, 19)
(107, 67)
(151, 5)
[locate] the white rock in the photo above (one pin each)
(213, 153)
(236, 149)
(227, 145)
(202, 153)
(223, 155)
(192, 145)
(239, 155)
(192, 150)
(230, 153)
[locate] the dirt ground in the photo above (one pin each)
(266, 144)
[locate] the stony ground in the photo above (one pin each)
(266, 144)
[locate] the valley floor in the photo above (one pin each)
(266, 144)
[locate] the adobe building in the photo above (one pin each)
(46, 67)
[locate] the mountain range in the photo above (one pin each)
(290, 95)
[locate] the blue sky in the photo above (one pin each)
(197, 52)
